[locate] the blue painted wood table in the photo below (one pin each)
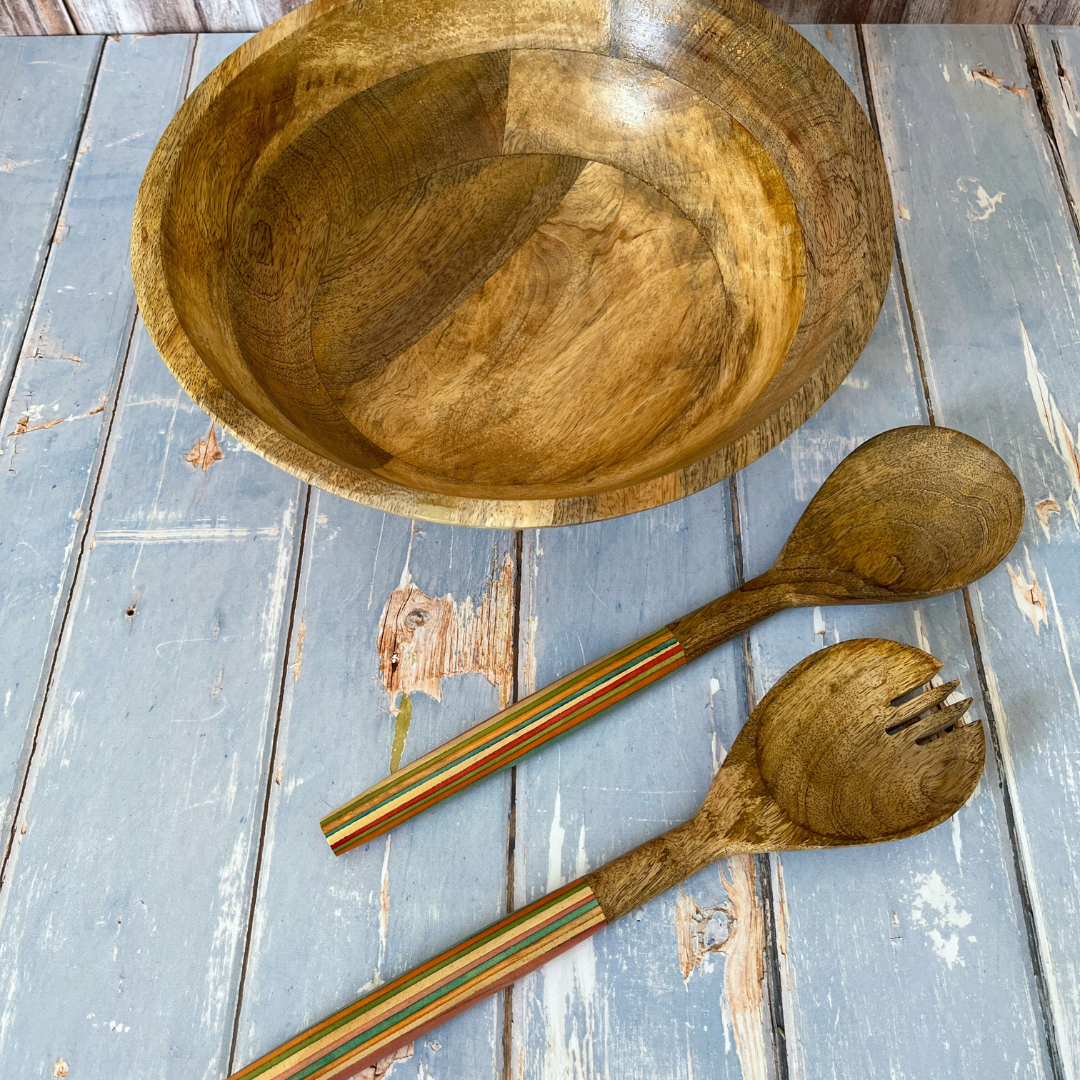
(190, 672)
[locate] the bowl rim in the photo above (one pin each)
(206, 389)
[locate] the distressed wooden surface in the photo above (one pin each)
(327, 930)
(934, 920)
(63, 390)
(44, 91)
(622, 1004)
(990, 251)
(210, 640)
(131, 16)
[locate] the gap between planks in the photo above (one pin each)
(1020, 870)
(50, 231)
(72, 571)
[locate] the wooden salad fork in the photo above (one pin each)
(831, 757)
(910, 514)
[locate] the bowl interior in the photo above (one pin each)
(543, 271)
(515, 262)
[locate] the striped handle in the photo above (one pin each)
(376, 1025)
(500, 741)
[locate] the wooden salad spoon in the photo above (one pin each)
(829, 758)
(912, 513)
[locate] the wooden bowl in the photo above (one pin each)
(515, 262)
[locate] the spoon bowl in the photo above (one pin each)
(829, 758)
(912, 513)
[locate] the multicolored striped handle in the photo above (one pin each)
(376, 1025)
(500, 741)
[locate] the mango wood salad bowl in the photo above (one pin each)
(515, 263)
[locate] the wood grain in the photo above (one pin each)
(1015, 306)
(163, 687)
(119, 16)
(901, 916)
(260, 297)
(68, 362)
(341, 927)
(824, 761)
(913, 513)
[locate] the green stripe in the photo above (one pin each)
(492, 932)
(442, 991)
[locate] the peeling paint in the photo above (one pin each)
(984, 201)
(383, 1066)
(424, 639)
(744, 971)
(1043, 509)
(301, 634)
(985, 75)
(1030, 599)
(23, 426)
(697, 933)
(1053, 424)
(933, 900)
(206, 451)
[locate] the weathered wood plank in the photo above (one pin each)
(434, 605)
(144, 797)
(64, 386)
(34, 17)
(175, 16)
(934, 919)
(1056, 51)
(95, 16)
(44, 92)
(992, 265)
(646, 997)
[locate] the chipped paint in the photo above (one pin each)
(984, 201)
(205, 452)
(744, 971)
(185, 534)
(903, 211)
(60, 1067)
(556, 837)
(23, 426)
(300, 635)
(1064, 641)
(1053, 424)
(934, 901)
(569, 986)
(695, 932)
(224, 951)
(383, 1066)
(1043, 509)
(985, 75)
(423, 639)
(1030, 599)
